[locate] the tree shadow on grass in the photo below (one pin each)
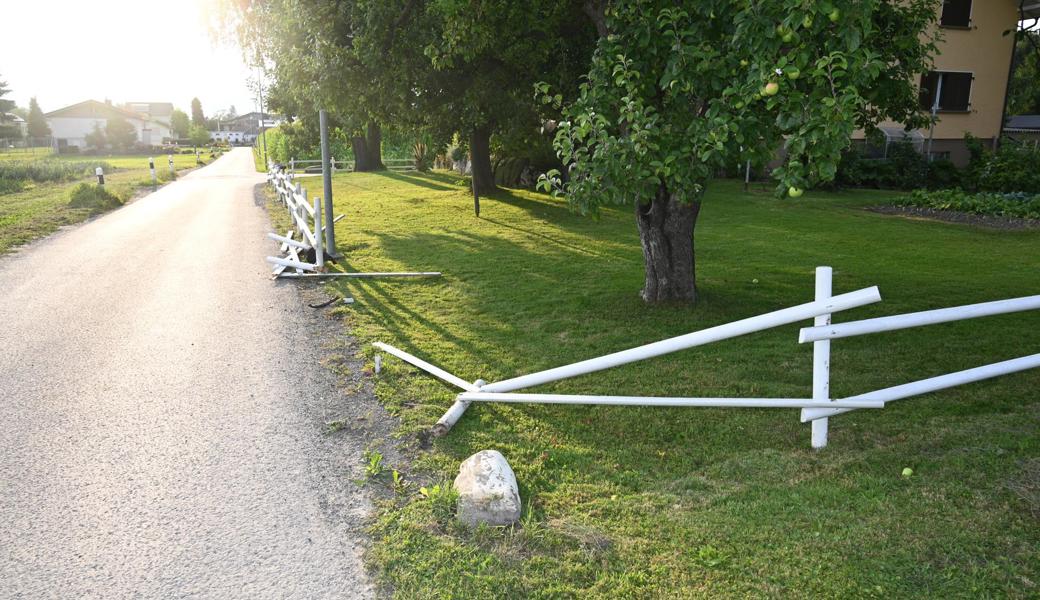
(432, 181)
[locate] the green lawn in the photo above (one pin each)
(41, 208)
(669, 503)
(25, 153)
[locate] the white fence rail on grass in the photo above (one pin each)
(816, 409)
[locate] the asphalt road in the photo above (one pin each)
(162, 408)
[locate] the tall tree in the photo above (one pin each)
(120, 133)
(197, 117)
(37, 123)
(469, 67)
(1024, 92)
(434, 66)
(179, 123)
(7, 130)
(6, 105)
(308, 51)
(679, 90)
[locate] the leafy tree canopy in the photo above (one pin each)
(179, 123)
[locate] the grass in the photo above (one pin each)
(41, 208)
(670, 503)
(25, 153)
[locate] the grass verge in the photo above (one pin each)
(668, 503)
(35, 210)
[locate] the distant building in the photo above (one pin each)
(1024, 128)
(11, 121)
(157, 111)
(71, 125)
(969, 84)
(243, 129)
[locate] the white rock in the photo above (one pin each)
(487, 490)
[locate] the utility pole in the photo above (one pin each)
(263, 119)
(326, 175)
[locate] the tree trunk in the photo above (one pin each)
(368, 149)
(666, 231)
(360, 147)
(480, 155)
(375, 146)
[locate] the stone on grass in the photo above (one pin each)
(487, 490)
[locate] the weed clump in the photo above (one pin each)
(93, 197)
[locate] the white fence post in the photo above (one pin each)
(319, 253)
(821, 377)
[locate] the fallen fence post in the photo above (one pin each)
(932, 384)
(365, 275)
(667, 401)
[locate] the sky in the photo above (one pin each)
(68, 51)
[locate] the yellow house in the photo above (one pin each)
(968, 87)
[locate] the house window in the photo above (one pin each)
(953, 90)
(956, 13)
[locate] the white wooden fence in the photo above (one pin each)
(392, 164)
(816, 409)
(306, 215)
(306, 218)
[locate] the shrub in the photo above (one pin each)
(903, 169)
(93, 197)
(1013, 168)
(10, 186)
(423, 157)
(1018, 205)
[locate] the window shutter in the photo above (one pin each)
(956, 92)
(956, 13)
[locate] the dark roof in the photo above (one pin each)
(93, 108)
(1023, 122)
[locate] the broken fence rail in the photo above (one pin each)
(815, 410)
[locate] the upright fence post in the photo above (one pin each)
(292, 166)
(319, 254)
(151, 168)
(326, 175)
(821, 358)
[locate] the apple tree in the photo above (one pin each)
(678, 91)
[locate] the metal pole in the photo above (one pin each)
(935, 112)
(326, 175)
(747, 175)
(263, 118)
(821, 359)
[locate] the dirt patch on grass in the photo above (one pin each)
(952, 216)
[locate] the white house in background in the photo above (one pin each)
(244, 129)
(71, 125)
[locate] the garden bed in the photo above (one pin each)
(954, 216)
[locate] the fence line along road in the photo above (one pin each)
(815, 410)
